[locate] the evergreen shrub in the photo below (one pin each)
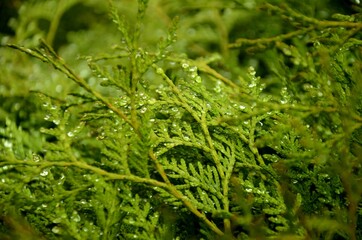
(217, 119)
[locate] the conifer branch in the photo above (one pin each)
(286, 11)
(85, 166)
(271, 40)
(179, 142)
(58, 63)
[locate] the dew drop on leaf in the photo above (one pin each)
(8, 144)
(251, 85)
(185, 65)
(251, 71)
(193, 69)
(143, 110)
(56, 230)
(283, 101)
(36, 158)
(75, 217)
(159, 71)
(44, 173)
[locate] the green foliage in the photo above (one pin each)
(186, 120)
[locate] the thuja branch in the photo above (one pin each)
(304, 20)
(265, 41)
(201, 119)
(177, 194)
(85, 166)
(48, 55)
(114, 176)
(289, 12)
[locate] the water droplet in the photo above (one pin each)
(44, 173)
(217, 88)
(251, 71)
(56, 230)
(5, 168)
(248, 190)
(123, 102)
(251, 85)
(101, 136)
(8, 144)
(193, 69)
(75, 217)
(44, 205)
(186, 137)
(193, 75)
(198, 79)
(47, 117)
(56, 121)
(185, 65)
(143, 110)
(159, 71)
(70, 134)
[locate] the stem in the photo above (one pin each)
(286, 11)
